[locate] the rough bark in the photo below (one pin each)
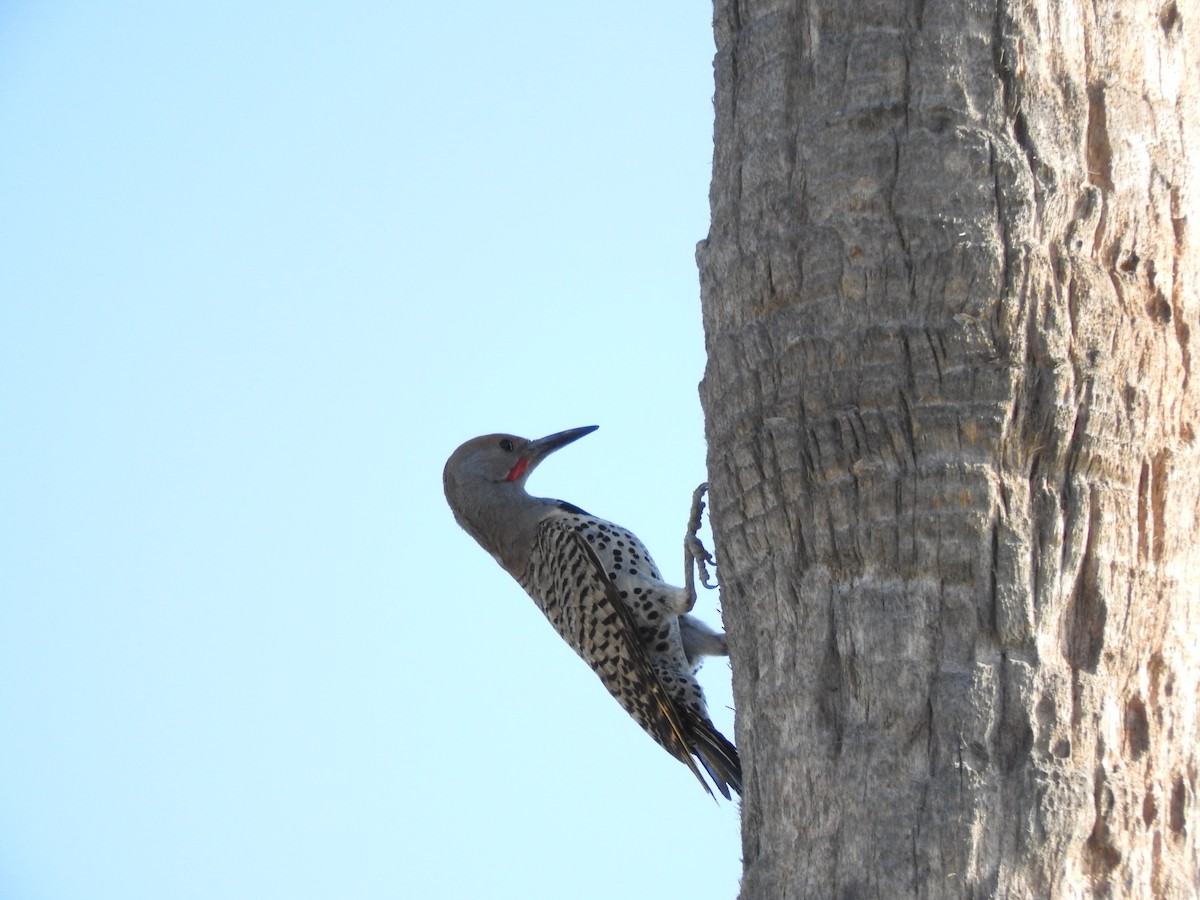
(948, 295)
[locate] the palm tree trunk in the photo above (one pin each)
(948, 295)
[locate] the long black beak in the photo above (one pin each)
(536, 451)
(543, 447)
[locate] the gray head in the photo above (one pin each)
(484, 481)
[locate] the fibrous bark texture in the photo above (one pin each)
(948, 295)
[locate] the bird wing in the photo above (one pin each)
(568, 582)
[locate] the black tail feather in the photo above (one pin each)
(718, 756)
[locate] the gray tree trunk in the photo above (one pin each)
(948, 297)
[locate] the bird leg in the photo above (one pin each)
(695, 556)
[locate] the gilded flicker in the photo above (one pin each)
(597, 585)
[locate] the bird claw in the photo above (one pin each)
(695, 554)
(703, 559)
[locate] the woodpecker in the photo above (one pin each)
(601, 591)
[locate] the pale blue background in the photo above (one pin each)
(262, 267)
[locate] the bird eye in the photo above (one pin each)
(506, 445)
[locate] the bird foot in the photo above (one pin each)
(695, 554)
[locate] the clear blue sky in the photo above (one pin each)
(262, 267)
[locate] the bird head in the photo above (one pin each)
(505, 458)
(484, 480)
